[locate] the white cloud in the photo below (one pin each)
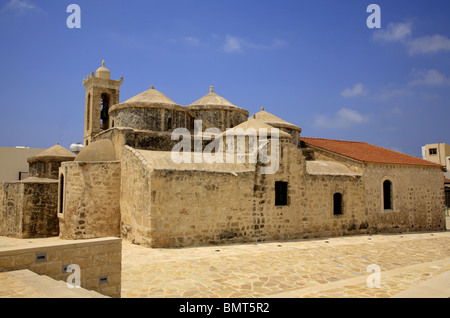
(19, 6)
(356, 90)
(191, 40)
(395, 32)
(343, 118)
(429, 44)
(232, 44)
(429, 77)
(402, 33)
(390, 93)
(235, 44)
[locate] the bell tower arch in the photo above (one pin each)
(101, 93)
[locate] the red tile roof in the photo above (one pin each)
(365, 152)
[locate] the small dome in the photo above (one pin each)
(55, 153)
(214, 101)
(254, 124)
(100, 150)
(274, 121)
(103, 72)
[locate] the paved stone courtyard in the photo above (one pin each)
(411, 265)
(333, 267)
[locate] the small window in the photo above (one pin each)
(169, 124)
(61, 194)
(433, 151)
(387, 195)
(337, 204)
(281, 197)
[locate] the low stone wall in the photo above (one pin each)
(99, 261)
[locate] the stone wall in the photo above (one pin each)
(11, 208)
(28, 208)
(40, 203)
(318, 219)
(135, 200)
(418, 195)
(309, 209)
(186, 208)
(418, 198)
(152, 118)
(44, 169)
(97, 259)
(91, 200)
(201, 208)
(221, 118)
(170, 208)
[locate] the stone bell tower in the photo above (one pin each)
(101, 93)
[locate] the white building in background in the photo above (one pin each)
(438, 153)
(13, 162)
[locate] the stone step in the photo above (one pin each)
(47, 287)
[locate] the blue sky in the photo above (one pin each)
(315, 64)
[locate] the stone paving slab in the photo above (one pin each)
(334, 267)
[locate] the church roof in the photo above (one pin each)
(253, 123)
(149, 98)
(365, 152)
(162, 160)
(214, 101)
(56, 153)
(275, 121)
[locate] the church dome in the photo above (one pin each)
(103, 72)
(100, 150)
(257, 126)
(274, 121)
(150, 110)
(150, 98)
(214, 101)
(55, 153)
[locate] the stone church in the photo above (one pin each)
(125, 182)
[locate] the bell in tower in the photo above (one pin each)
(101, 93)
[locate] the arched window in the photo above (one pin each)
(387, 195)
(337, 203)
(104, 116)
